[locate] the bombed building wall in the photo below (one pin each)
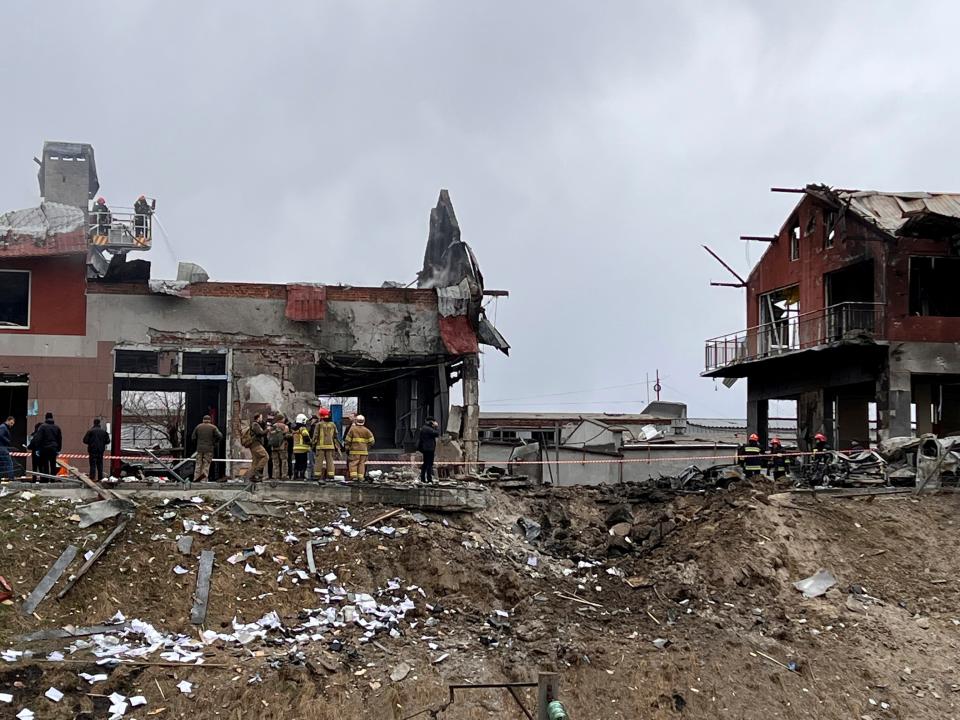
(372, 323)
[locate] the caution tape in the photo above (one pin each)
(734, 458)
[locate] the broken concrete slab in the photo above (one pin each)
(97, 512)
(460, 497)
(199, 613)
(255, 509)
(49, 580)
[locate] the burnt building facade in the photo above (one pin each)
(82, 323)
(852, 312)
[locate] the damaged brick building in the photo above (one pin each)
(81, 322)
(853, 313)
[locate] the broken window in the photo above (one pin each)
(153, 419)
(829, 230)
(204, 363)
(795, 242)
(811, 224)
(137, 361)
(779, 320)
(14, 298)
(933, 286)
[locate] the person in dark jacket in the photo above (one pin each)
(6, 441)
(428, 447)
(48, 442)
(96, 439)
(208, 437)
(141, 217)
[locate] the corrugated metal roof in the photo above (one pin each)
(739, 423)
(891, 211)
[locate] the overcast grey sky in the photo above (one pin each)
(589, 148)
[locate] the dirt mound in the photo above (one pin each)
(649, 604)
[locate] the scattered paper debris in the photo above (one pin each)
(99, 677)
(6, 697)
(25, 714)
(137, 701)
(180, 570)
(53, 694)
(185, 687)
(252, 570)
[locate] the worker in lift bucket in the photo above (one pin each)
(102, 217)
(142, 211)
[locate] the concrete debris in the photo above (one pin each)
(400, 672)
(97, 512)
(817, 584)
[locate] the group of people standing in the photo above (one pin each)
(754, 461)
(46, 443)
(313, 444)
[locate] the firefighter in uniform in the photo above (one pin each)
(103, 217)
(326, 441)
(751, 457)
(141, 216)
(778, 460)
(358, 441)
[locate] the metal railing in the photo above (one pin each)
(121, 229)
(836, 323)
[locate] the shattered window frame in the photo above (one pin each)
(9, 319)
(931, 296)
(829, 230)
(795, 242)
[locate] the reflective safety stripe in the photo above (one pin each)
(752, 464)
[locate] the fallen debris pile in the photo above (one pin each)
(648, 602)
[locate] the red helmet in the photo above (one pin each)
(101, 201)
(754, 437)
(324, 412)
(775, 441)
(820, 437)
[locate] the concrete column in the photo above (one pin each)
(950, 416)
(894, 399)
(471, 408)
(811, 411)
(853, 421)
(923, 399)
(758, 418)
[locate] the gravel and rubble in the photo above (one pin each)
(649, 602)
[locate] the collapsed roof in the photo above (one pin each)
(51, 229)
(899, 214)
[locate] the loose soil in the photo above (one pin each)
(710, 573)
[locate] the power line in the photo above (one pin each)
(569, 392)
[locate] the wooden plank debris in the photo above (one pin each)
(385, 516)
(93, 558)
(310, 561)
(49, 580)
(199, 613)
(96, 487)
(69, 632)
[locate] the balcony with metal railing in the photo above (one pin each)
(843, 322)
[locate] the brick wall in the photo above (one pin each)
(75, 390)
(58, 303)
